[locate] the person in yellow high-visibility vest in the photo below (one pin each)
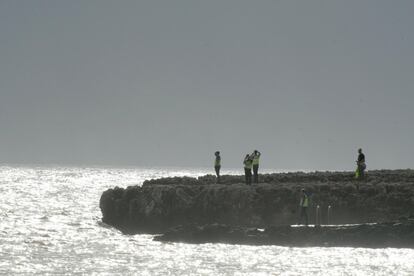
(304, 204)
(256, 157)
(248, 164)
(361, 166)
(217, 165)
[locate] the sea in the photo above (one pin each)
(50, 224)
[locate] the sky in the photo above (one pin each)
(167, 83)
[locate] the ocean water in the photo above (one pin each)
(50, 223)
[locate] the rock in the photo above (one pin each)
(169, 202)
(399, 235)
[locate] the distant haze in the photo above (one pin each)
(167, 83)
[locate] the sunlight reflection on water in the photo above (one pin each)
(50, 223)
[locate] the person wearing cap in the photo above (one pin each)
(217, 165)
(256, 157)
(361, 166)
(304, 204)
(248, 163)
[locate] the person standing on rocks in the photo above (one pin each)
(217, 165)
(248, 164)
(256, 156)
(304, 204)
(361, 166)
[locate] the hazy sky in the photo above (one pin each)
(169, 82)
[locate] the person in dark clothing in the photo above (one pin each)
(361, 166)
(256, 157)
(304, 204)
(248, 163)
(217, 165)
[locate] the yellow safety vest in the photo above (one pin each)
(217, 162)
(304, 202)
(248, 164)
(256, 160)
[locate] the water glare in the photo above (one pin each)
(50, 222)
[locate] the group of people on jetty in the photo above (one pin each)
(251, 162)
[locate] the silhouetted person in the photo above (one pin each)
(361, 166)
(217, 165)
(248, 163)
(304, 204)
(256, 157)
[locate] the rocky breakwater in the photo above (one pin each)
(399, 234)
(160, 204)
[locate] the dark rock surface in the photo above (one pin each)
(158, 205)
(399, 234)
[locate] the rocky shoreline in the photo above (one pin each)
(161, 204)
(398, 234)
